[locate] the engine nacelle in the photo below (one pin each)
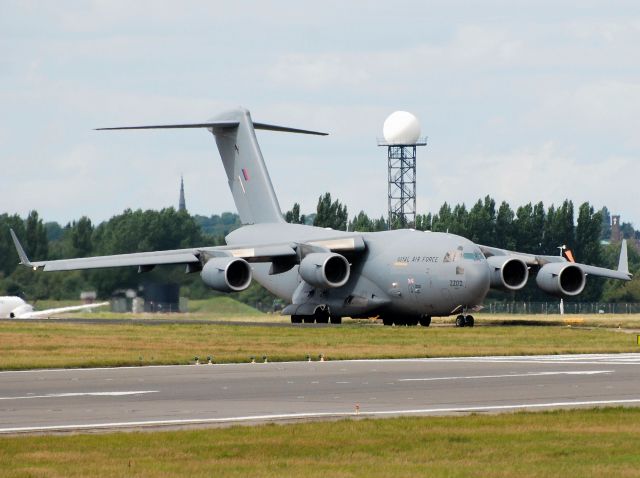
(561, 278)
(226, 274)
(507, 273)
(325, 270)
(20, 311)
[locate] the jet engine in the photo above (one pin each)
(325, 270)
(226, 274)
(20, 311)
(561, 278)
(507, 273)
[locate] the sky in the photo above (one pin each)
(524, 101)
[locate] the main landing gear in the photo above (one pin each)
(464, 321)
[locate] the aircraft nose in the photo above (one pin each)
(478, 279)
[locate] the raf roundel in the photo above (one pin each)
(401, 127)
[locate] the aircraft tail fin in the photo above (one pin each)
(247, 173)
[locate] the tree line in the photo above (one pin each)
(530, 228)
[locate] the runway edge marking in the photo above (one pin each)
(489, 358)
(301, 416)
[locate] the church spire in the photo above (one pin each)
(182, 205)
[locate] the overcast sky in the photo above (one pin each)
(525, 101)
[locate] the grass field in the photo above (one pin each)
(27, 344)
(602, 442)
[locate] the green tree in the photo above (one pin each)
(140, 231)
(81, 233)
(330, 214)
(35, 242)
(559, 228)
(442, 221)
(361, 223)
(8, 256)
(605, 233)
(505, 228)
(529, 228)
(423, 222)
(293, 216)
(587, 247)
(480, 222)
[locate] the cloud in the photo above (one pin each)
(544, 173)
(517, 102)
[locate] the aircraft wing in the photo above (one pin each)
(39, 314)
(193, 257)
(622, 273)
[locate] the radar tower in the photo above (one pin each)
(401, 137)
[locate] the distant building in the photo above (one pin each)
(616, 233)
(182, 205)
(88, 296)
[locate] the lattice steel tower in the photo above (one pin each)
(401, 148)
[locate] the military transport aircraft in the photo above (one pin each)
(13, 307)
(404, 276)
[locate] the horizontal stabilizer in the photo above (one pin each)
(285, 129)
(211, 124)
(219, 125)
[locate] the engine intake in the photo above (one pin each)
(226, 274)
(561, 278)
(325, 270)
(507, 273)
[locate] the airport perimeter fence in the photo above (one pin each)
(554, 308)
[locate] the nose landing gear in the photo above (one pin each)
(464, 321)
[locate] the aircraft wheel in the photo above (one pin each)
(335, 319)
(460, 322)
(399, 321)
(412, 321)
(425, 320)
(308, 319)
(296, 319)
(468, 321)
(386, 320)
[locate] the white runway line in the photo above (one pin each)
(509, 375)
(82, 394)
(301, 416)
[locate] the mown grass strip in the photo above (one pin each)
(601, 442)
(27, 345)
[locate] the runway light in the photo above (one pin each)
(264, 358)
(357, 409)
(308, 358)
(321, 357)
(197, 360)
(210, 359)
(253, 359)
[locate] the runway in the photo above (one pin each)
(199, 395)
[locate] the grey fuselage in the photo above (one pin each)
(403, 272)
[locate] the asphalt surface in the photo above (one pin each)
(206, 395)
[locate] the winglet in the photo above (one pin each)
(623, 263)
(23, 256)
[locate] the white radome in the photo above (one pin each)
(401, 127)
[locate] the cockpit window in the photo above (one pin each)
(452, 256)
(473, 256)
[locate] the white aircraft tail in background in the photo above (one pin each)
(12, 307)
